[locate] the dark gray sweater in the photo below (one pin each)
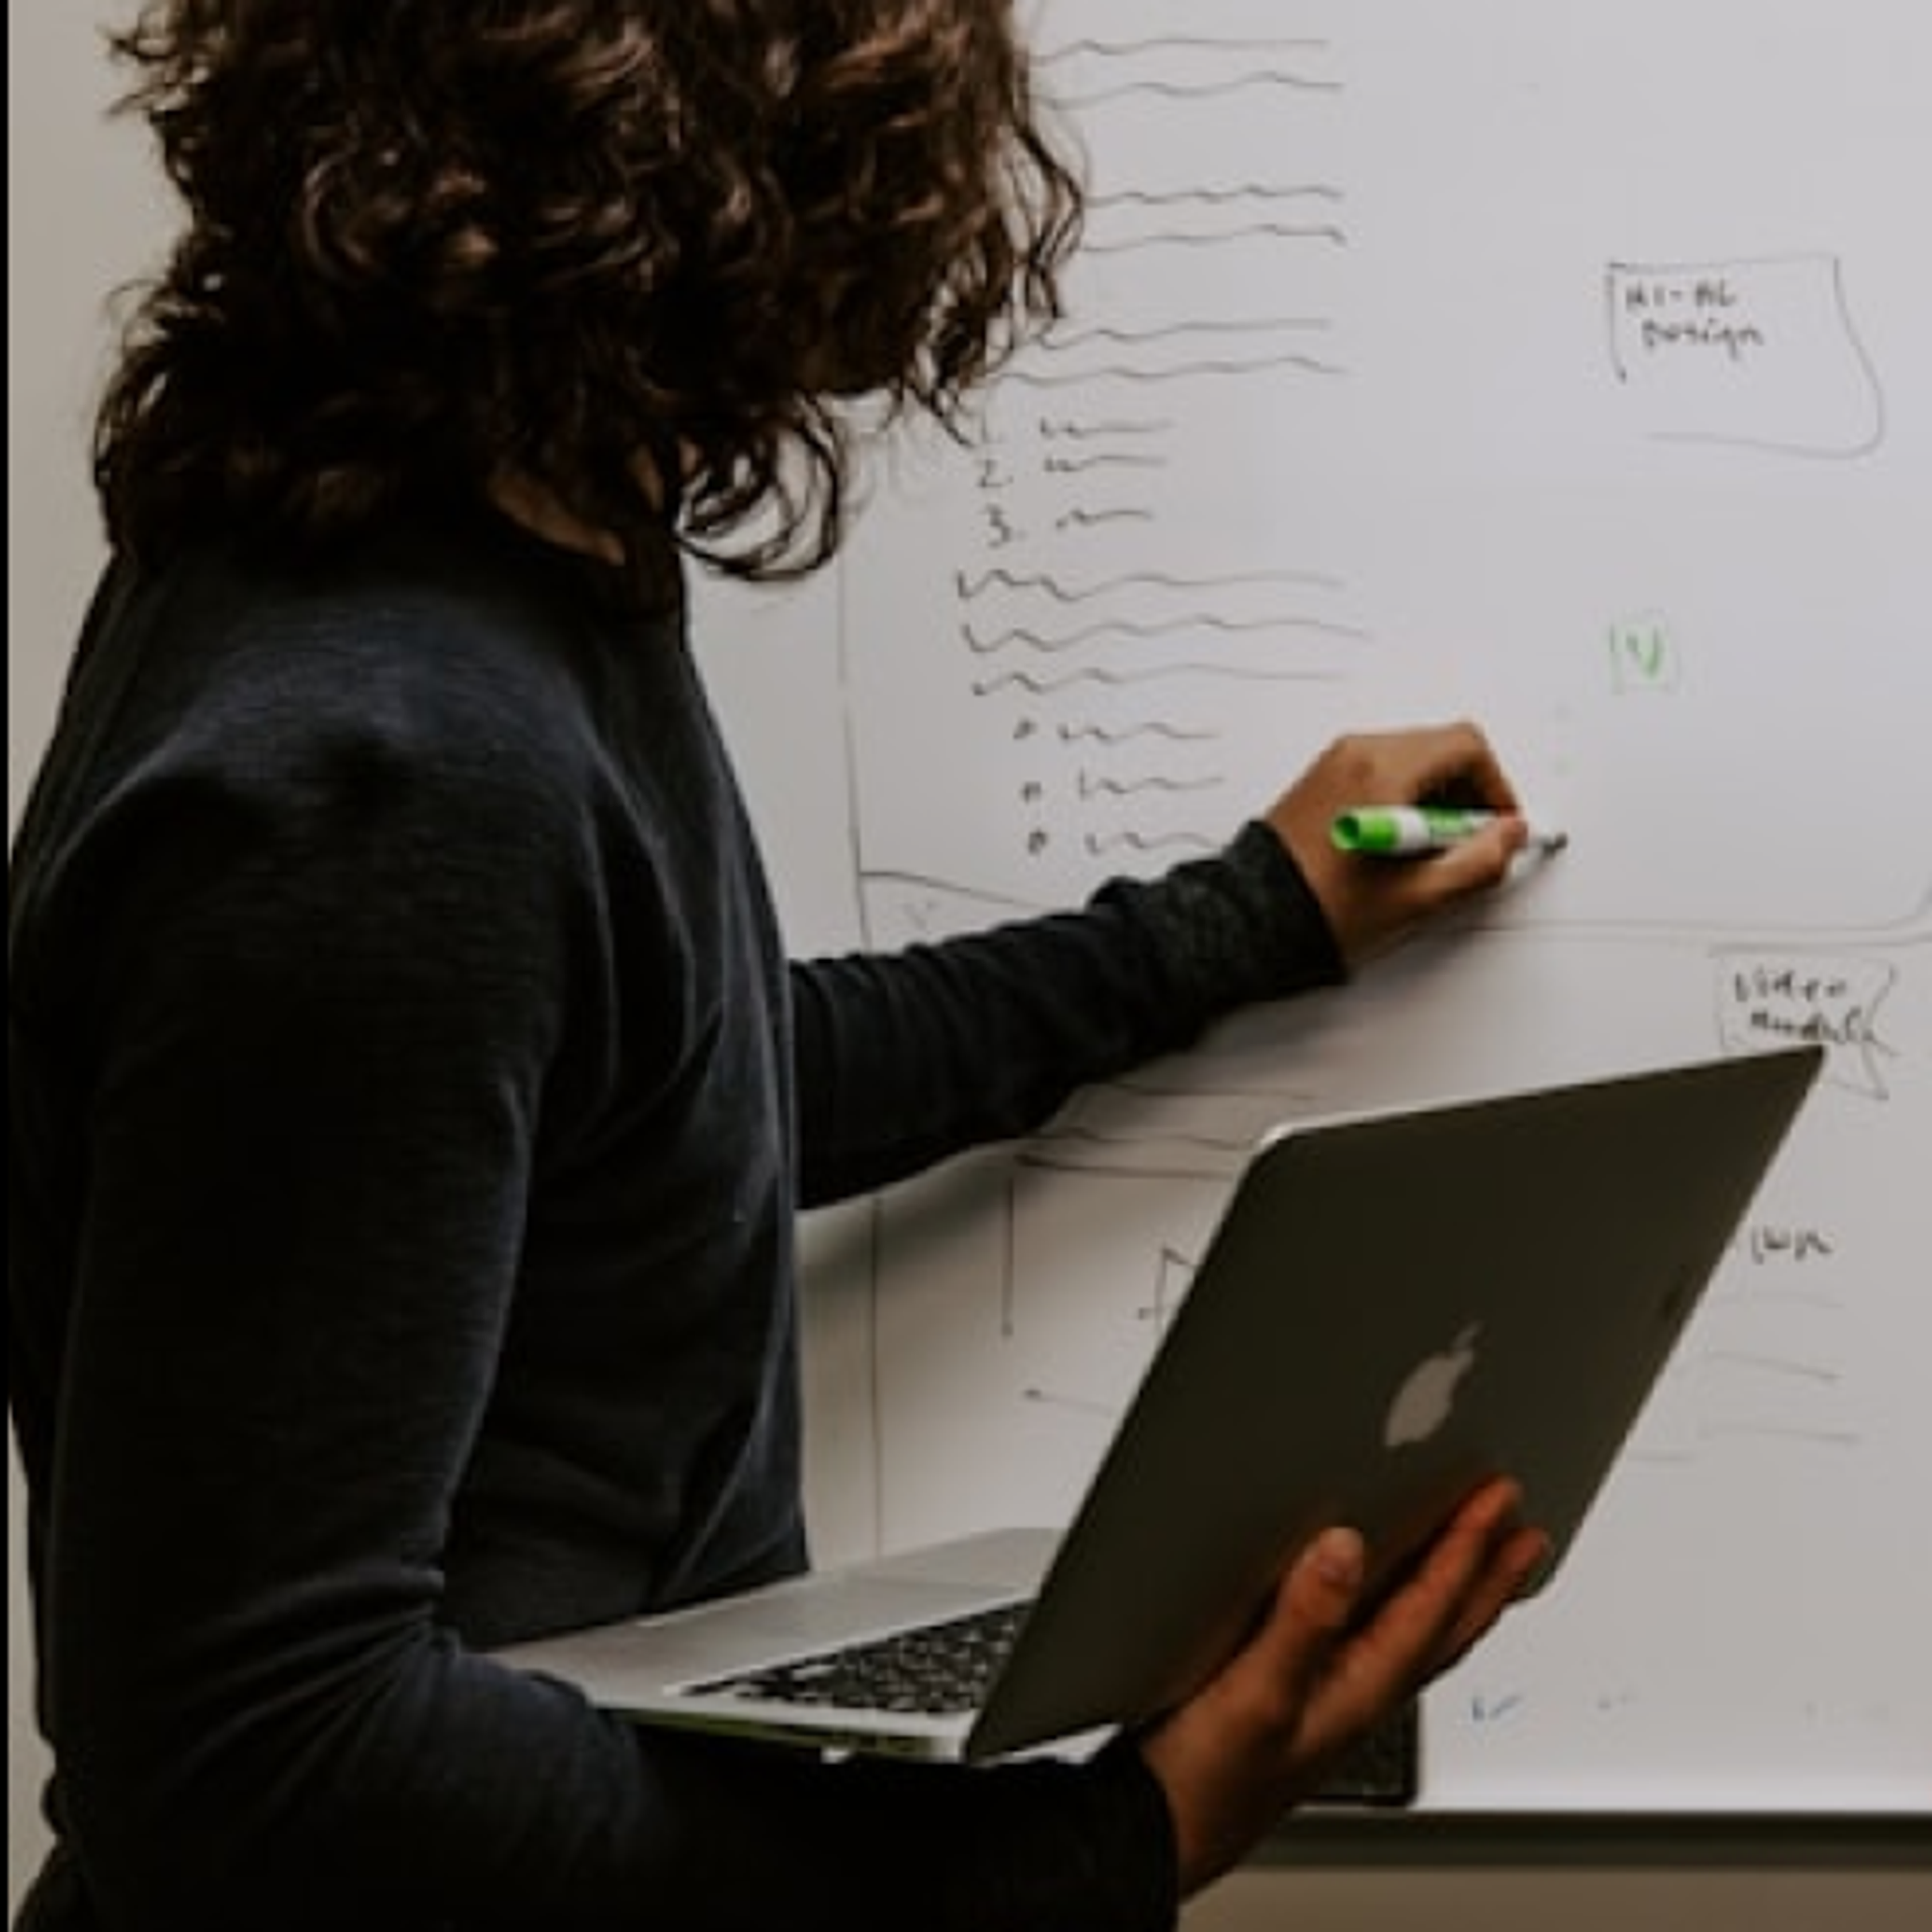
(410, 1103)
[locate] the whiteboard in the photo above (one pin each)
(1570, 367)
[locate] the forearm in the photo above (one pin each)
(512, 1807)
(263, 1717)
(905, 1059)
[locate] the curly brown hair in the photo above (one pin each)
(434, 243)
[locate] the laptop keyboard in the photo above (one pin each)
(942, 1669)
(934, 1670)
(1384, 1767)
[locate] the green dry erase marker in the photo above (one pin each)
(1401, 831)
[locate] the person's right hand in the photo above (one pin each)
(1310, 1683)
(1371, 905)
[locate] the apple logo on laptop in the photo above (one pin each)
(1428, 1392)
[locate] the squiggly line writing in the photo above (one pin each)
(1061, 341)
(1074, 734)
(1173, 372)
(1215, 197)
(970, 588)
(1089, 432)
(1090, 787)
(1019, 634)
(1279, 231)
(1046, 687)
(1099, 847)
(1079, 519)
(1118, 459)
(1207, 90)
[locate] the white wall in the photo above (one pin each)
(83, 214)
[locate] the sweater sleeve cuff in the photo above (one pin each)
(1242, 926)
(1296, 938)
(1131, 1796)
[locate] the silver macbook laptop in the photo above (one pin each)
(1393, 1306)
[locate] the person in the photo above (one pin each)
(410, 1098)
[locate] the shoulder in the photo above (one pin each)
(417, 654)
(425, 677)
(416, 739)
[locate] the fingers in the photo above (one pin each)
(1462, 768)
(1323, 1672)
(1451, 763)
(1472, 865)
(1313, 1607)
(1231, 1758)
(1311, 1679)
(1372, 904)
(1465, 1581)
(1515, 1562)
(1480, 1563)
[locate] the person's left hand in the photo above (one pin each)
(1372, 904)
(1316, 1675)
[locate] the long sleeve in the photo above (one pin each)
(264, 1715)
(399, 1264)
(906, 1058)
